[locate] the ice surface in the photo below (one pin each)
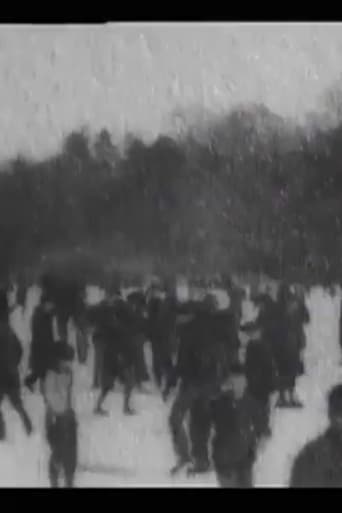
(130, 451)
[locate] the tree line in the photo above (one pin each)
(248, 192)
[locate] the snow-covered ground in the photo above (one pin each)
(130, 451)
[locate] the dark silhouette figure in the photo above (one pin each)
(60, 422)
(42, 345)
(235, 440)
(202, 366)
(161, 329)
(120, 336)
(260, 375)
(318, 464)
(10, 357)
(288, 345)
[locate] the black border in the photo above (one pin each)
(104, 12)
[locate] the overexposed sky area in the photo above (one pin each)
(132, 77)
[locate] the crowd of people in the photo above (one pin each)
(220, 371)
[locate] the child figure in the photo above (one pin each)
(61, 424)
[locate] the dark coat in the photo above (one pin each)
(260, 369)
(271, 322)
(288, 344)
(66, 293)
(156, 327)
(42, 340)
(10, 357)
(319, 463)
(298, 317)
(226, 329)
(275, 325)
(118, 329)
(202, 355)
(234, 441)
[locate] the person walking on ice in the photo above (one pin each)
(10, 357)
(60, 421)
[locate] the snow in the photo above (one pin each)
(121, 451)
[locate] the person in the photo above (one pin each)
(82, 344)
(235, 442)
(224, 331)
(98, 344)
(60, 419)
(106, 357)
(97, 318)
(261, 377)
(120, 334)
(137, 302)
(67, 294)
(298, 317)
(272, 324)
(200, 423)
(201, 369)
(236, 295)
(158, 335)
(287, 346)
(226, 323)
(10, 356)
(43, 340)
(259, 365)
(166, 342)
(318, 464)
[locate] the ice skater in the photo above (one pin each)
(235, 439)
(10, 357)
(201, 368)
(60, 420)
(43, 341)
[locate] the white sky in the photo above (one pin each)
(132, 77)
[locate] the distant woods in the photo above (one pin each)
(251, 193)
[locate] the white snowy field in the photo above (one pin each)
(117, 451)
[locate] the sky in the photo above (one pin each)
(135, 77)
